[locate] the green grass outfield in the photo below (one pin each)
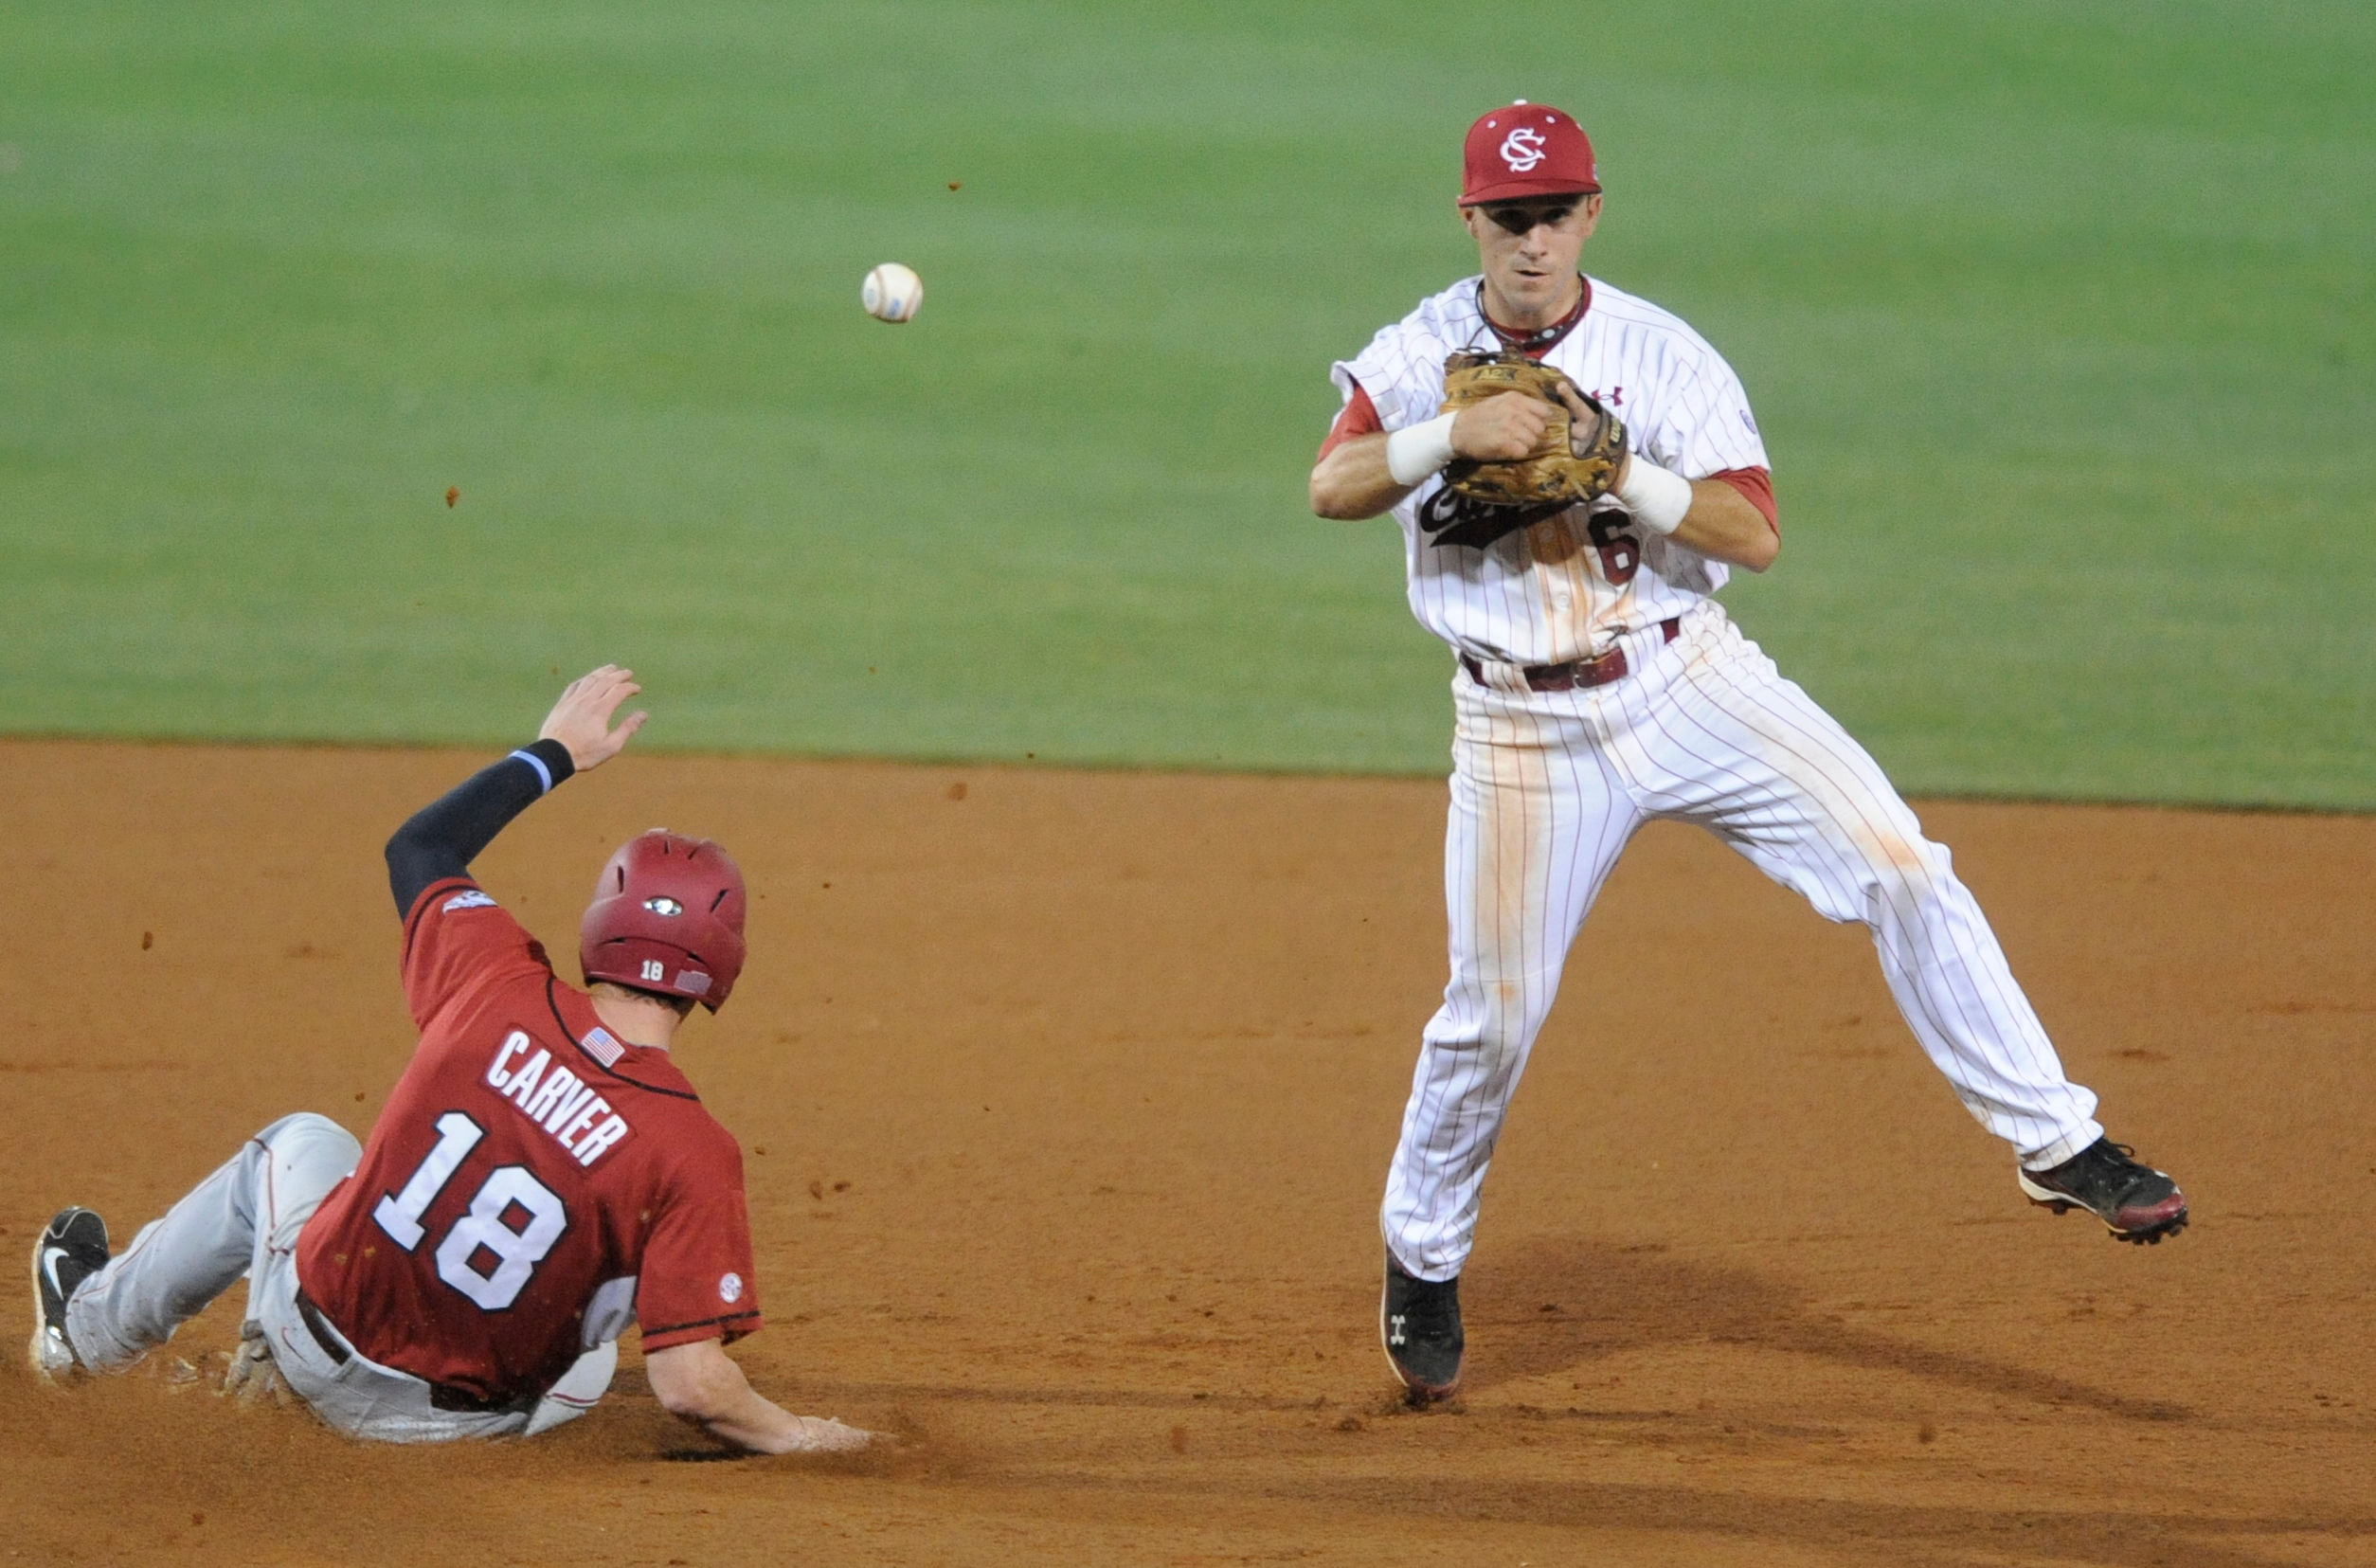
(2059, 320)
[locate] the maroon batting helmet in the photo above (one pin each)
(667, 916)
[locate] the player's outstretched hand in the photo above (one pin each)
(581, 720)
(1502, 428)
(699, 1383)
(830, 1434)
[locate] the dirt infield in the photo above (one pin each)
(1068, 1098)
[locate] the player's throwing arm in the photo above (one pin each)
(543, 1177)
(1576, 472)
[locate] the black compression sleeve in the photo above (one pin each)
(444, 837)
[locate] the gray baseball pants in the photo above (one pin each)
(246, 1220)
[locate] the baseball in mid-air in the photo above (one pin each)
(892, 293)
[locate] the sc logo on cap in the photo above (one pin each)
(1522, 149)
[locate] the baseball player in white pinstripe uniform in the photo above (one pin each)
(1598, 685)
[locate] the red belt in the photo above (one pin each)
(1578, 673)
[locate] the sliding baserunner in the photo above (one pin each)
(542, 1178)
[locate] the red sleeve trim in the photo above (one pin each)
(1756, 486)
(1358, 418)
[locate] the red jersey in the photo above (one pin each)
(532, 1183)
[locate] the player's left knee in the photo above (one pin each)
(1900, 857)
(1914, 889)
(307, 1126)
(1903, 872)
(311, 1147)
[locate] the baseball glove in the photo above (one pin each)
(1568, 465)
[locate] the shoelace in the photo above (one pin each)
(2119, 1171)
(2126, 1162)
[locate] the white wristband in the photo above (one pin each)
(1658, 498)
(1412, 454)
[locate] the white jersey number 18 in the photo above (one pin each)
(516, 1251)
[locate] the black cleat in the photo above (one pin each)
(69, 1251)
(2136, 1202)
(1419, 1322)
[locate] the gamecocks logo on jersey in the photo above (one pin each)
(1522, 149)
(1449, 517)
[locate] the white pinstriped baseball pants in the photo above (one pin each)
(1548, 787)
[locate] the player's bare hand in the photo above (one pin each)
(1583, 422)
(830, 1434)
(581, 720)
(1502, 428)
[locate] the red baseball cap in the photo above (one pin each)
(1524, 151)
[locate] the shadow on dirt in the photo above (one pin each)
(1611, 1298)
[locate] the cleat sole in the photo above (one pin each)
(37, 1358)
(2154, 1237)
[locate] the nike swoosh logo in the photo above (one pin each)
(49, 1266)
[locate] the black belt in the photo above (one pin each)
(1578, 673)
(333, 1344)
(442, 1395)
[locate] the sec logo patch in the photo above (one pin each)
(730, 1289)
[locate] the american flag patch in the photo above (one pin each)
(599, 1046)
